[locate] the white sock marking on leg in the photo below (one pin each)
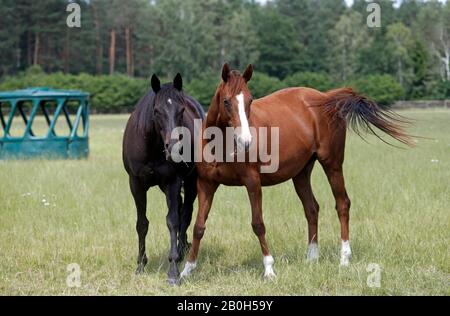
(313, 252)
(268, 267)
(188, 268)
(346, 253)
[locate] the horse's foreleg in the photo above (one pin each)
(336, 178)
(140, 198)
(206, 191)
(253, 185)
(190, 194)
(172, 192)
(302, 184)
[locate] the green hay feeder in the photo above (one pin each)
(44, 123)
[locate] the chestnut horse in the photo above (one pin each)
(312, 127)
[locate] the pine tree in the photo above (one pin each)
(10, 38)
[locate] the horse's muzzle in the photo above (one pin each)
(171, 150)
(243, 144)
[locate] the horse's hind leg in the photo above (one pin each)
(139, 192)
(190, 194)
(336, 178)
(302, 184)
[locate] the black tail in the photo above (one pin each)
(361, 114)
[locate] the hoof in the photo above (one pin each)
(188, 268)
(140, 269)
(174, 282)
(345, 261)
(142, 262)
(270, 276)
(346, 254)
(313, 253)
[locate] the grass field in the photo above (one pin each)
(54, 213)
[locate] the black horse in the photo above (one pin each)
(147, 148)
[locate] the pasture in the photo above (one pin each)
(54, 213)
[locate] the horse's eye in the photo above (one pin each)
(227, 103)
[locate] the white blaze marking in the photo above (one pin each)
(245, 128)
(268, 267)
(346, 253)
(170, 101)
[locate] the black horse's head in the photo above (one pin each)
(168, 110)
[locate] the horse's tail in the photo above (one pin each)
(361, 114)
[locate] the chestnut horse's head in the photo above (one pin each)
(231, 105)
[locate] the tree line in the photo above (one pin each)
(317, 43)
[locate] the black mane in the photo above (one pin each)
(144, 113)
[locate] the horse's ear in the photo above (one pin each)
(226, 72)
(248, 74)
(178, 82)
(156, 84)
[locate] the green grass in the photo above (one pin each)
(400, 220)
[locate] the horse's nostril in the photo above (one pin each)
(243, 144)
